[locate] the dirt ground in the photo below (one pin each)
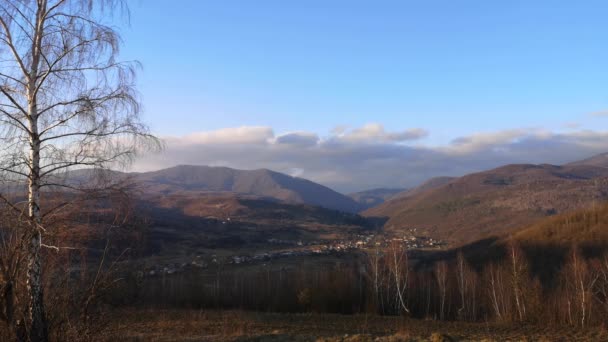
(193, 325)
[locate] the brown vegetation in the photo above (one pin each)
(86, 245)
(496, 202)
(212, 325)
(502, 283)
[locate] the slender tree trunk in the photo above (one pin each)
(461, 285)
(519, 270)
(376, 290)
(38, 328)
(494, 297)
(399, 278)
(516, 280)
(53, 78)
(441, 273)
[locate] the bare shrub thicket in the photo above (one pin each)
(502, 291)
(508, 291)
(386, 282)
(66, 104)
(77, 278)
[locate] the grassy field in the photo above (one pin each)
(187, 325)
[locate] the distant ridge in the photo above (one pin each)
(428, 185)
(600, 160)
(262, 182)
(373, 197)
(498, 201)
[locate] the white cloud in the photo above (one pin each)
(235, 135)
(480, 141)
(375, 133)
(366, 157)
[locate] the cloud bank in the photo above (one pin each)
(370, 156)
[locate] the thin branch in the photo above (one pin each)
(59, 248)
(13, 49)
(13, 101)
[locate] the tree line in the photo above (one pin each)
(505, 290)
(388, 282)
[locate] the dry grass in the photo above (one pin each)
(191, 325)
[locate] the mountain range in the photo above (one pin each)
(498, 201)
(458, 210)
(262, 183)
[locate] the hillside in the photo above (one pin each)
(373, 197)
(197, 221)
(262, 183)
(495, 202)
(587, 226)
(432, 183)
(547, 244)
(600, 160)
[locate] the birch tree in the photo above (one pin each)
(518, 275)
(497, 290)
(467, 288)
(66, 102)
(374, 262)
(462, 284)
(400, 271)
(440, 271)
(579, 281)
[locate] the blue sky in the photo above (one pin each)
(454, 69)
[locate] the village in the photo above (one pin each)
(297, 248)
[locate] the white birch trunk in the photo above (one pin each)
(38, 325)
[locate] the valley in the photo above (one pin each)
(324, 171)
(445, 212)
(203, 238)
(192, 222)
(186, 243)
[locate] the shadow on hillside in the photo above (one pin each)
(254, 222)
(477, 253)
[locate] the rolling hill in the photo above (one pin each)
(432, 183)
(261, 183)
(581, 227)
(600, 160)
(496, 202)
(189, 221)
(546, 244)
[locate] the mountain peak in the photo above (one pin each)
(260, 182)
